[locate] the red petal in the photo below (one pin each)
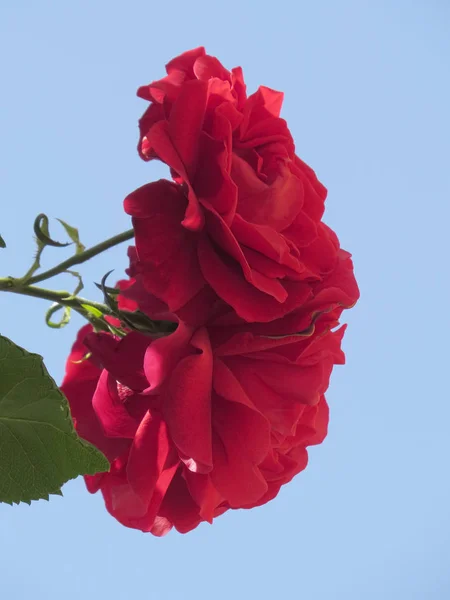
(275, 205)
(148, 455)
(313, 426)
(185, 124)
(206, 67)
(122, 358)
(203, 493)
(159, 141)
(241, 440)
(168, 261)
(185, 62)
(164, 354)
(79, 386)
(238, 480)
(111, 411)
(187, 405)
(250, 303)
(269, 244)
(178, 506)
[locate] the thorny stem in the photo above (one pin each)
(60, 296)
(82, 257)
(25, 287)
(7, 284)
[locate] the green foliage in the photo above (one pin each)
(39, 448)
(72, 232)
(93, 311)
(43, 239)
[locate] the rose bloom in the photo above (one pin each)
(201, 420)
(242, 216)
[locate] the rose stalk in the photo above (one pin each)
(25, 285)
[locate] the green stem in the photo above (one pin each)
(137, 319)
(7, 284)
(24, 287)
(79, 258)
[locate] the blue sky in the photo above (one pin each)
(366, 97)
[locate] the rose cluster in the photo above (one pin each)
(214, 409)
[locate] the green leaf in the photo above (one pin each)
(80, 284)
(93, 311)
(43, 240)
(2, 242)
(74, 236)
(39, 448)
(42, 232)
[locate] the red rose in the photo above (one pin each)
(243, 215)
(202, 420)
(218, 414)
